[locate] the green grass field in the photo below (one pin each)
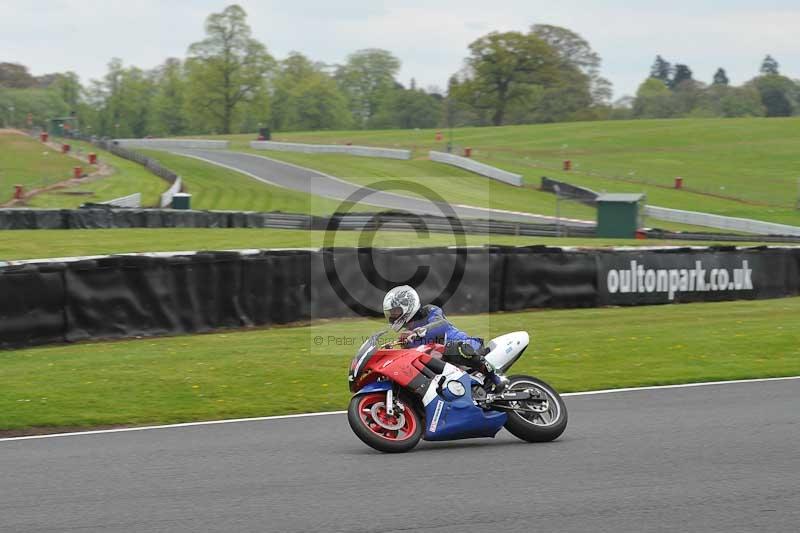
(734, 167)
(37, 244)
(300, 369)
(28, 162)
(128, 178)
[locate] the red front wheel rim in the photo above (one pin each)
(375, 402)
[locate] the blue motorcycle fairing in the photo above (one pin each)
(460, 418)
(375, 386)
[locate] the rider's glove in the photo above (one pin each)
(410, 336)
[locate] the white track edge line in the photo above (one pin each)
(325, 413)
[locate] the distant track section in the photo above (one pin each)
(317, 183)
(166, 144)
(365, 151)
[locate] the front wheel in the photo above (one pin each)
(537, 420)
(371, 423)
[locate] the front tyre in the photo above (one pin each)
(372, 424)
(537, 420)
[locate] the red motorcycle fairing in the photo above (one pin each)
(406, 367)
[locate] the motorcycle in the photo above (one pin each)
(402, 395)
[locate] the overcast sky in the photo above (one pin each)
(430, 38)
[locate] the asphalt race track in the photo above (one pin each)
(710, 458)
(311, 181)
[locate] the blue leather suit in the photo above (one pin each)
(443, 334)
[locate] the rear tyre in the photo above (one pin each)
(371, 423)
(537, 421)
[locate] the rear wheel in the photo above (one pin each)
(371, 422)
(537, 420)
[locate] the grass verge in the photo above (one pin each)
(35, 244)
(28, 162)
(301, 369)
(128, 178)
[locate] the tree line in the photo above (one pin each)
(229, 83)
(671, 91)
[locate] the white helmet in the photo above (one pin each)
(399, 305)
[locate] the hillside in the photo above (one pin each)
(27, 162)
(735, 167)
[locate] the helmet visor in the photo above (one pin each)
(393, 314)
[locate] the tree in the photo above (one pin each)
(170, 98)
(778, 94)
(366, 78)
(689, 98)
(682, 73)
(720, 77)
(305, 97)
(661, 70)
(42, 104)
(769, 67)
(653, 100)
(456, 110)
(505, 68)
(122, 99)
(742, 102)
(16, 76)
(407, 108)
(575, 52)
(227, 68)
(321, 105)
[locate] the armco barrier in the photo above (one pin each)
(175, 188)
(166, 144)
(131, 200)
(128, 296)
(695, 218)
(365, 151)
(476, 167)
(720, 222)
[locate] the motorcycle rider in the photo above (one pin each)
(402, 309)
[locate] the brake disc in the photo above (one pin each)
(401, 418)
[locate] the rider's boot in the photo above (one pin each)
(498, 381)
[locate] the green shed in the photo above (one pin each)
(62, 126)
(181, 200)
(618, 215)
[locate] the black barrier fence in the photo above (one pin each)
(664, 276)
(129, 296)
